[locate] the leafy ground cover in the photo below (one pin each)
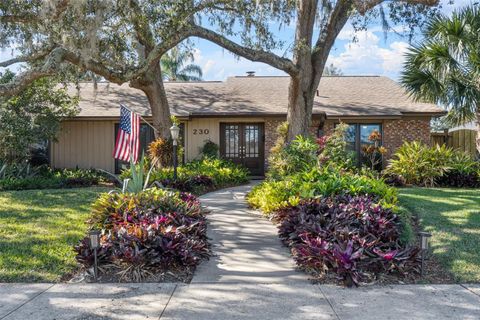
(22, 176)
(198, 176)
(38, 229)
(147, 236)
(350, 236)
(453, 218)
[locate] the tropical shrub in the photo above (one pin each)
(222, 173)
(419, 164)
(160, 152)
(373, 152)
(146, 233)
(459, 179)
(299, 155)
(333, 148)
(350, 236)
(326, 181)
(210, 149)
(195, 184)
(22, 176)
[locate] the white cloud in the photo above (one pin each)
(367, 57)
(222, 64)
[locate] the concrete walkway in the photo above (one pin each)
(250, 277)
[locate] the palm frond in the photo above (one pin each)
(445, 69)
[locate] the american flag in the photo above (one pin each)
(128, 137)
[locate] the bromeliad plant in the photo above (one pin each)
(147, 233)
(350, 236)
(374, 151)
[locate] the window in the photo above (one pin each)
(357, 136)
(146, 136)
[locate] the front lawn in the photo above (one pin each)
(453, 218)
(38, 229)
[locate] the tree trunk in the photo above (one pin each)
(152, 85)
(300, 105)
(311, 62)
(300, 98)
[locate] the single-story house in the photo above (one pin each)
(241, 115)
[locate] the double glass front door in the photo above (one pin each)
(243, 143)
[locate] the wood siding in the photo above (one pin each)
(463, 140)
(84, 144)
(195, 135)
(89, 143)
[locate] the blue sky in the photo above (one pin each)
(372, 54)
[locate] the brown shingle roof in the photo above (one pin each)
(338, 96)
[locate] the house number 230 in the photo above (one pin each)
(201, 131)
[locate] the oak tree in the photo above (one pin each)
(317, 25)
(121, 41)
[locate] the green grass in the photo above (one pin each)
(453, 218)
(38, 229)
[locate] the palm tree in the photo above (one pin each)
(445, 68)
(175, 67)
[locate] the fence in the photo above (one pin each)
(463, 140)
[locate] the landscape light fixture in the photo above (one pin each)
(175, 132)
(424, 236)
(94, 236)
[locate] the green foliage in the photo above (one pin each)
(32, 117)
(333, 148)
(272, 195)
(306, 169)
(24, 177)
(297, 156)
(422, 165)
(210, 149)
(177, 65)
(444, 67)
(222, 172)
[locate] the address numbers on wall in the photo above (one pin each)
(201, 131)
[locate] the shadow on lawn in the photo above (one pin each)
(453, 218)
(39, 230)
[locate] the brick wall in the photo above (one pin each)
(395, 132)
(271, 135)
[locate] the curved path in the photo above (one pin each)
(245, 245)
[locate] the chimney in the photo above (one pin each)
(250, 73)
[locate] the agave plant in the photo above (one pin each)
(139, 179)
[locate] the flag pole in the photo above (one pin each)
(148, 123)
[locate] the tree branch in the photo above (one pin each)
(23, 80)
(272, 59)
(362, 6)
(60, 7)
(330, 30)
(142, 30)
(27, 58)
